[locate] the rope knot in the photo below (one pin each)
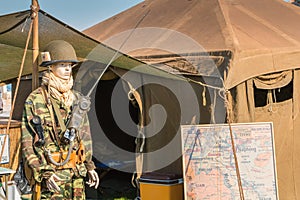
(34, 10)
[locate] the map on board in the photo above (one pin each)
(209, 164)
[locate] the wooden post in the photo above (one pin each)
(35, 43)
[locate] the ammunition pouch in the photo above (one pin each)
(81, 153)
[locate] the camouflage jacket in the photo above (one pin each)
(35, 156)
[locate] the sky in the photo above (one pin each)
(79, 14)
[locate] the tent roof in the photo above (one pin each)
(13, 33)
(263, 35)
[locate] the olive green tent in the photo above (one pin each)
(259, 39)
(13, 33)
(95, 56)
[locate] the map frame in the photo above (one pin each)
(201, 158)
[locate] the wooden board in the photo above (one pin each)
(14, 143)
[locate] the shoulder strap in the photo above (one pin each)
(58, 115)
(49, 106)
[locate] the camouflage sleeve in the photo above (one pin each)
(85, 134)
(32, 156)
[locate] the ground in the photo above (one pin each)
(114, 185)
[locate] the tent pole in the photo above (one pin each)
(35, 43)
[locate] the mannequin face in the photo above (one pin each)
(62, 70)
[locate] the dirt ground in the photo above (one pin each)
(114, 185)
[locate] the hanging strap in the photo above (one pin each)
(140, 139)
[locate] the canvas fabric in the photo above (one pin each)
(273, 80)
(286, 122)
(260, 41)
(281, 116)
(295, 163)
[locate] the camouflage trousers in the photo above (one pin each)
(71, 188)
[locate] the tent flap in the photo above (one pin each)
(274, 80)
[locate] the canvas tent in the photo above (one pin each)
(95, 56)
(259, 39)
(13, 33)
(14, 29)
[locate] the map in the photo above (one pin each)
(209, 164)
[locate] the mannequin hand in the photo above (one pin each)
(51, 183)
(93, 179)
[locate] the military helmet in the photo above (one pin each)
(58, 51)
